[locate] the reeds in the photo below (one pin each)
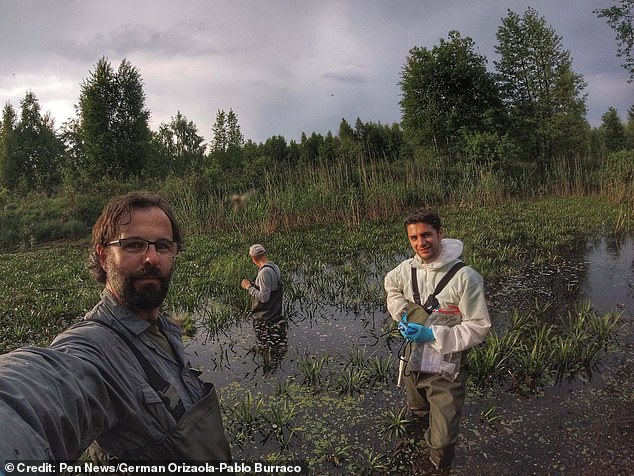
(311, 368)
(352, 191)
(617, 177)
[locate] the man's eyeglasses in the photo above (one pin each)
(139, 246)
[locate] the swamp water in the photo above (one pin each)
(602, 273)
(337, 323)
(579, 427)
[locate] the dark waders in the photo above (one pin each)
(195, 435)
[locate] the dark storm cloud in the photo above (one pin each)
(185, 39)
(352, 77)
(285, 67)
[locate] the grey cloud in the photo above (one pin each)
(352, 77)
(188, 39)
(277, 63)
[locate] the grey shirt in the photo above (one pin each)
(88, 385)
(266, 281)
(267, 293)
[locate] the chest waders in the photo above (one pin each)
(270, 311)
(198, 433)
(427, 313)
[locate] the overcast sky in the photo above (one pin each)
(284, 67)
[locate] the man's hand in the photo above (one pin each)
(414, 332)
(246, 284)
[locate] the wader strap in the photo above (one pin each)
(155, 380)
(442, 283)
(272, 310)
(415, 290)
(447, 277)
(279, 277)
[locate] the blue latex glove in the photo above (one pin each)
(415, 332)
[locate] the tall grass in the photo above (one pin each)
(572, 176)
(347, 191)
(617, 176)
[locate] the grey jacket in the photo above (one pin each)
(88, 385)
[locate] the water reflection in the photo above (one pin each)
(600, 271)
(271, 343)
(610, 278)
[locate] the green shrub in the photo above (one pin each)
(74, 229)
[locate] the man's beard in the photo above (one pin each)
(148, 296)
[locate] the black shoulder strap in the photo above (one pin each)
(441, 284)
(172, 401)
(415, 290)
(275, 272)
(447, 277)
(155, 380)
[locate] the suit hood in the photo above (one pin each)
(450, 251)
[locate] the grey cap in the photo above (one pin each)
(257, 250)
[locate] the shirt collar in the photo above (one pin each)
(124, 314)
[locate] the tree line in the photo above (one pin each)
(528, 114)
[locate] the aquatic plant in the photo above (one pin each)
(624, 220)
(350, 380)
(586, 335)
(382, 367)
(489, 414)
(248, 413)
(488, 362)
(532, 363)
(281, 413)
(335, 450)
(395, 423)
(282, 388)
(311, 367)
(280, 416)
(369, 462)
(357, 358)
(531, 353)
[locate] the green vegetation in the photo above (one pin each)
(322, 410)
(467, 135)
(522, 183)
(43, 290)
(620, 18)
(534, 352)
(47, 285)
(322, 195)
